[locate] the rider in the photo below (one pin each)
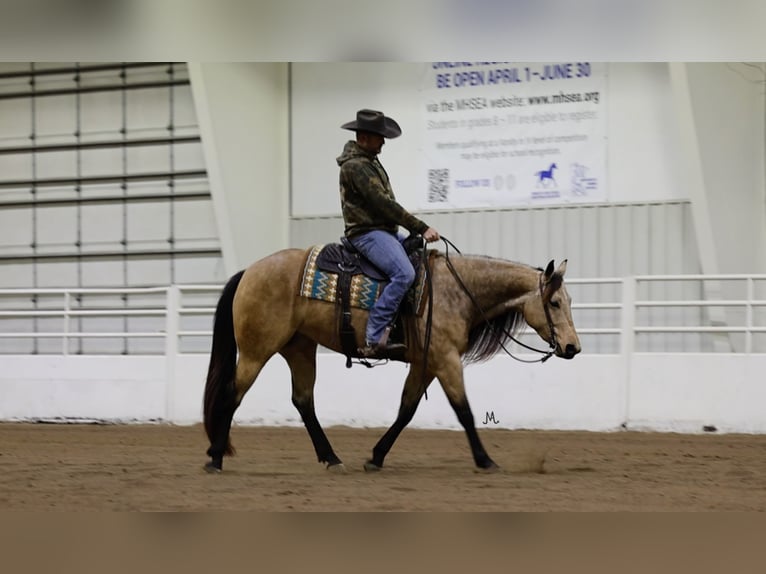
(372, 218)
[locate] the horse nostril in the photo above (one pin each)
(571, 350)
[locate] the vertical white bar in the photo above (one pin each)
(628, 339)
(172, 322)
(65, 335)
(749, 316)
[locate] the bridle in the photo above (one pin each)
(551, 329)
(429, 316)
(546, 354)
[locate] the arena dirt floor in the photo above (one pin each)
(159, 468)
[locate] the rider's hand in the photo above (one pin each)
(431, 235)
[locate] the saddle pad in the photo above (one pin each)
(323, 286)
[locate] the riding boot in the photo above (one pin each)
(383, 349)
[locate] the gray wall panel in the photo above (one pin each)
(599, 241)
(57, 230)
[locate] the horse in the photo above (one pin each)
(546, 174)
(478, 304)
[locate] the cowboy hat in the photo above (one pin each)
(375, 122)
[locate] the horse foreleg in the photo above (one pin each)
(414, 387)
(465, 416)
(300, 354)
(451, 379)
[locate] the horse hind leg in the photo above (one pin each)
(300, 354)
(247, 371)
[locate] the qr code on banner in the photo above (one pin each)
(438, 185)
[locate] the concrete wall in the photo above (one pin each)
(679, 392)
(728, 109)
(640, 230)
(242, 110)
(641, 139)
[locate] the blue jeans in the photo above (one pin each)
(385, 251)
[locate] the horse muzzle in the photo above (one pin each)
(567, 352)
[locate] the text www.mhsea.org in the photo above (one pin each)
(482, 103)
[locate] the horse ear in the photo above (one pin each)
(552, 280)
(549, 270)
(562, 268)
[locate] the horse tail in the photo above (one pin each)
(218, 404)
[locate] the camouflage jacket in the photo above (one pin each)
(367, 199)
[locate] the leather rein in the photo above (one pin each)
(546, 354)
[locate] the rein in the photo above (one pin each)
(429, 318)
(546, 354)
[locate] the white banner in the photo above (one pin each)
(500, 134)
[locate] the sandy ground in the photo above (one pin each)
(159, 467)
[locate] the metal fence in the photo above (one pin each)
(659, 313)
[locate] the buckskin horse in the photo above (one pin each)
(479, 303)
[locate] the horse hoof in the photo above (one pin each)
(211, 468)
(370, 466)
(337, 468)
(491, 469)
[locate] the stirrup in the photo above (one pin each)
(382, 351)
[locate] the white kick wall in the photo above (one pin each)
(678, 393)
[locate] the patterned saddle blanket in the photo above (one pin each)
(321, 272)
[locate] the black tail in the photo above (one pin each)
(219, 398)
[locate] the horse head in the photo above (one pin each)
(549, 312)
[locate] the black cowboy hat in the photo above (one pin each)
(375, 122)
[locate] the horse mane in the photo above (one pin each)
(488, 338)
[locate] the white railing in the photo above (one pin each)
(67, 306)
(748, 304)
(179, 317)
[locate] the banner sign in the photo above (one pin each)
(502, 134)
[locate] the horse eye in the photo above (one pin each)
(555, 304)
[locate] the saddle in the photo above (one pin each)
(344, 257)
(338, 273)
